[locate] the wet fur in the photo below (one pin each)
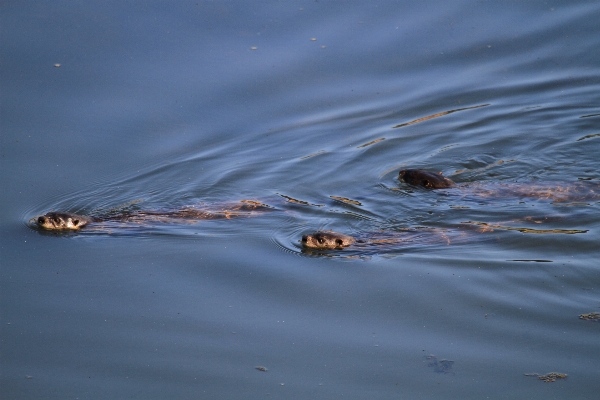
(327, 240)
(426, 179)
(62, 221)
(66, 221)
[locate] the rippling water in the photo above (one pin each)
(312, 108)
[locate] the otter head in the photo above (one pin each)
(57, 221)
(327, 240)
(429, 180)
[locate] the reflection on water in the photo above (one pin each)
(588, 137)
(372, 142)
(490, 227)
(437, 115)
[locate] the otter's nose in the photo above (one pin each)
(304, 238)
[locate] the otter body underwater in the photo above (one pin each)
(381, 240)
(427, 179)
(328, 240)
(559, 192)
(67, 221)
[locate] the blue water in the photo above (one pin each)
(312, 108)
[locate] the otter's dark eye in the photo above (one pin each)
(339, 242)
(321, 240)
(75, 222)
(41, 220)
(426, 183)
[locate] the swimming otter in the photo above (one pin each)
(330, 240)
(56, 221)
(554, 191)
(390, 240)
(327, 240)
(66, 221)
(429, 180)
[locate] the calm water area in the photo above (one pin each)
(313, 108)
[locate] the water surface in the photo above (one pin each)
(312, 108)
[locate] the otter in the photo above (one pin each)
(368, 241)
(327, 240)
(429, 180)
(57, 221)
(558, 192)
(388, 240)
(67, 221)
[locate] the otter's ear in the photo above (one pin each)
(440, 172)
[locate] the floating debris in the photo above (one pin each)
(261, 368)
(550, 377)
(593, 316)
(372, 142)
(440, 366)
